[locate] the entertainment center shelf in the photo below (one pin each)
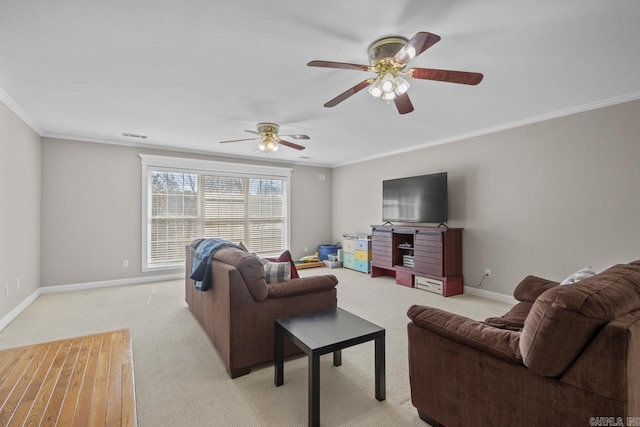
(428, 258)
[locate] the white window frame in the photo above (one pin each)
(149, 161)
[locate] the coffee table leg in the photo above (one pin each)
(381, 392)
(279, 357)
(314, 390)
(337, 358)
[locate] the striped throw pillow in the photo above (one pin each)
(276, 271)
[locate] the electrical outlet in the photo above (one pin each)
(6, 291)
(487, 273)
(18, 283)
(306, 249)
(125, 263)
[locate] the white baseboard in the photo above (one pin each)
(161, 278)
(81, 286)
(109, 283)
(19, 309)
(490, 295)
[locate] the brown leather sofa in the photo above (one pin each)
(576, 361)
(239, 310)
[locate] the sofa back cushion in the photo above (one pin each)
(531, 287)
(250, 268)
(564, 319)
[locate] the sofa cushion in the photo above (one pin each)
(527, 291)
(276, 271)
(249, 267)
(303, 285)
(531, 287)
(471, 333)
(564, 319)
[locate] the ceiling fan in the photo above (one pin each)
(269, 138)
(389, 57)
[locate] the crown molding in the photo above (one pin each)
(511, 125)
(176, 149)
(15, 108)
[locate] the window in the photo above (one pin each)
(184, 199)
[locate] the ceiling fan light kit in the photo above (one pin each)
(267, 134)
(389, 57)
(268, 145)
(388, 84)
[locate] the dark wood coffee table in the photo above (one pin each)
(324, 332)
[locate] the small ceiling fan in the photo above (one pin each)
(269, 138)
(389, 57)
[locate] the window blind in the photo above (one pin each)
(183, 204)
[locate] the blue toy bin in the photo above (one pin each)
(325, 250)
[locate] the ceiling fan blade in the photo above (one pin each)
(238, 140)
(290, 144)
(462, 77)
(415, 46)
(296, 136)
(344, 65)
(349, 92)
(403, 103)
(252, 131)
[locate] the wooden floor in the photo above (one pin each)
(84, 381)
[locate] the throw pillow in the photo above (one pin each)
(579, 275)
(276, 271)
(244, 248)
(286, 257)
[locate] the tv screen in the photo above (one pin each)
(415, 199)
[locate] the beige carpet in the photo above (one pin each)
(180, 380)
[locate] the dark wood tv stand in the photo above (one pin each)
(429, 258)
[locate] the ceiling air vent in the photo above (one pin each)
(134, 135)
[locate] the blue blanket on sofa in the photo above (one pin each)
(201, 264)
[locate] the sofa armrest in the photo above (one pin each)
(302, 285)
(500, 343)
(512, 319)
(531, 287)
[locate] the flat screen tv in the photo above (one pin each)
(415, 199)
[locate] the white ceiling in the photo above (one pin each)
(190, 73)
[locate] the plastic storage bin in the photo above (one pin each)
(325, 250)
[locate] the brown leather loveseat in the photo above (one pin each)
(576, 361)
(239, 310)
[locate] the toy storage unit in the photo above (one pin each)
(356, 252)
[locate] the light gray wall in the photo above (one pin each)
(91, 210)
(310, 209)
(543, 199)
(19, 210)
